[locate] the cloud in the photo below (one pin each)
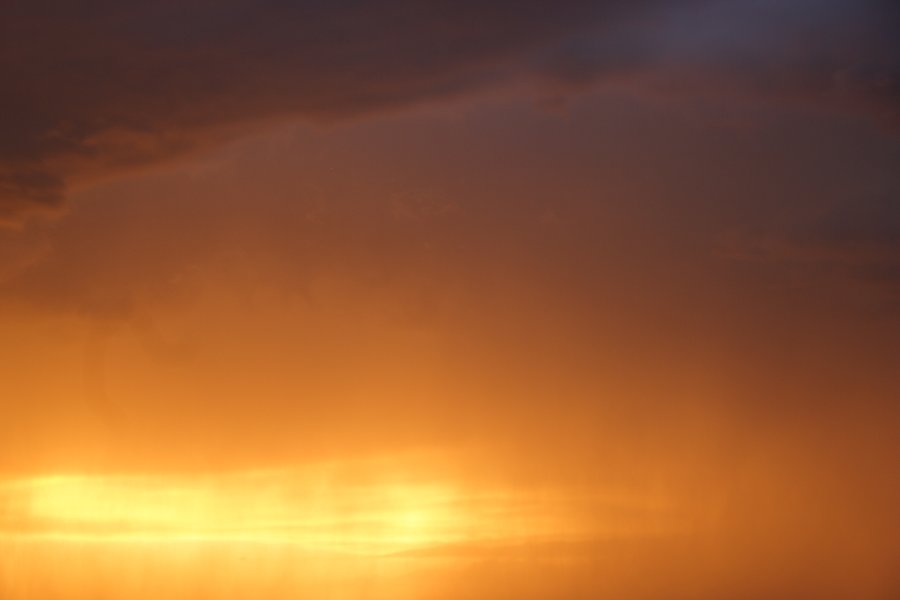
(28, 189)
(113, 85)
(105, 86)
(857, 241)
(830, 53)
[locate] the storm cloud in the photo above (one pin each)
(103, 87)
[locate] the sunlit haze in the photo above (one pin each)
(449, 300)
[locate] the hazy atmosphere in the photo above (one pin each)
(401, 299)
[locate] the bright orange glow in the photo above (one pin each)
(336, 528)
(259, 508)
(376, 509)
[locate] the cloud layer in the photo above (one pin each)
(107, 86)
(111, 85)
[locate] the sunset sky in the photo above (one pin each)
(445, 299)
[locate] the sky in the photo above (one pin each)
(442, 299)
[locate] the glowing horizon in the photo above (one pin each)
(384, 512)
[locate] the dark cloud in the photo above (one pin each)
(858, 241)
(28, 189)
(100, 86)
(104, 85)
(833, 53)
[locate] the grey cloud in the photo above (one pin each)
(105, 85)
(834, 53)
(99, 86)
(857, 241)
(28, 189)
